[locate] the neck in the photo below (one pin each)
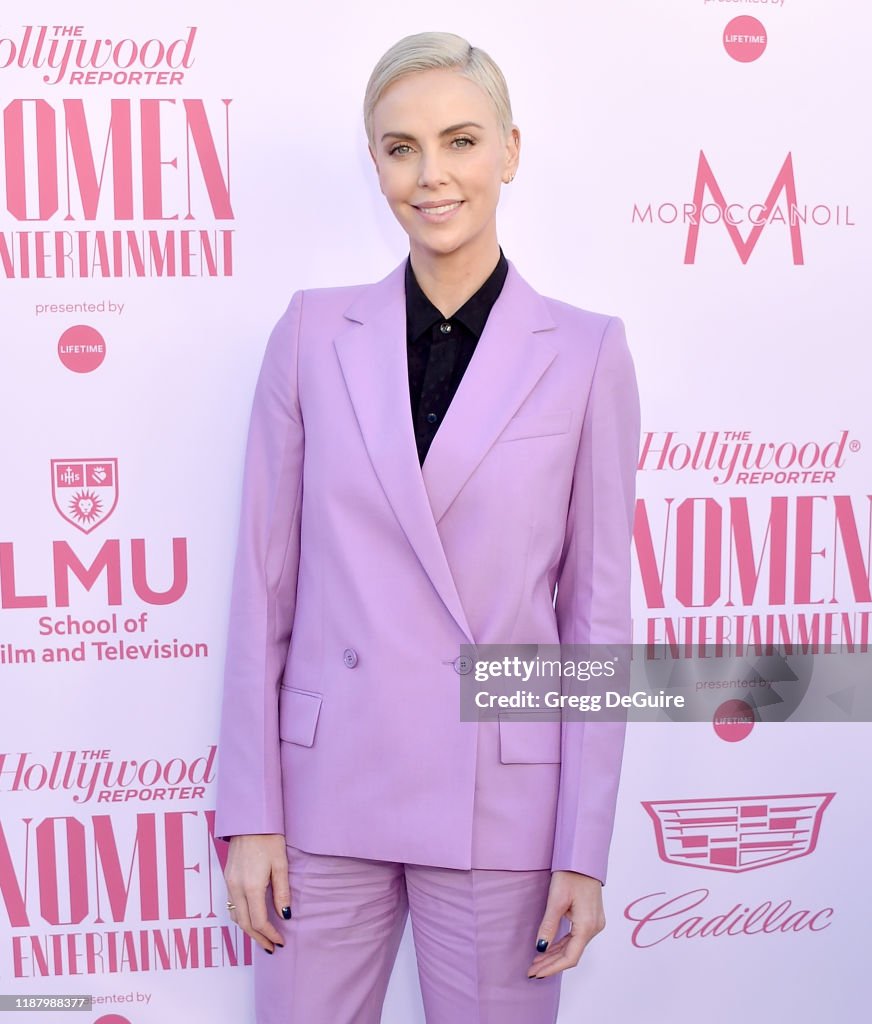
(449, 280)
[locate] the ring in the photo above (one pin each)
(231, 906)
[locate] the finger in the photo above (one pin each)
(262, 929)
(281, 890)
(240, 914)
(550, 923)
(544, 966)
(245, 903)
(568, 957)
(243, 918)
(235, 899)
(555, 951)
(585, 927)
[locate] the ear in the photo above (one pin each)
(513, 153)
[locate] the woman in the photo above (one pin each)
(375, 541)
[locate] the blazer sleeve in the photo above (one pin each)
(593, 599)
(263, 598)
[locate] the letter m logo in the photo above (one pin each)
(760, 214)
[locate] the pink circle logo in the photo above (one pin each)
(733, 720)
(111, 1018)
(81, 348)
(745, 39)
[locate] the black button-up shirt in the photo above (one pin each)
(439, 349)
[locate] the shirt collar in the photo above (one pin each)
(421, 314)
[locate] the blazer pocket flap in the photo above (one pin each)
(537, 425)
(529, 738)
(298, 715)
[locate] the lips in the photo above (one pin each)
(438, 210)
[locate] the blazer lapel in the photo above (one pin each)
(509, 359)
(372, 354)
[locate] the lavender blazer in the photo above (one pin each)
(359, 574)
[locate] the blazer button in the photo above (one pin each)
(349, 656)
(462, 664)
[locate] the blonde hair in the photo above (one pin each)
(427, 51)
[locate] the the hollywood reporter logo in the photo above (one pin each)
(735, 456)
(709, 206)
(101, 777)
(730, 835)
(85, 494)
(67, 54)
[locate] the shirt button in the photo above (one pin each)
(445, 328)
(432, 417)
(463, 664)
(349, 656)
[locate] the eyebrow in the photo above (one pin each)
(445, 131)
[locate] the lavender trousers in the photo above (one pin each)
(474, 932)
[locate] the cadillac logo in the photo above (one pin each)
(737, 833)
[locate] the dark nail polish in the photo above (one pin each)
(281, 945)
(541, 945)
(286, 913)
(267, 950)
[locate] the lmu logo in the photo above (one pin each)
(780, 206)
(85, 491)
(737, 834)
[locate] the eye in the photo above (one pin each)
(463, 142)
(400, 149)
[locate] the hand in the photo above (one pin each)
(579, 898)
(255, 861)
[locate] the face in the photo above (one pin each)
(441, 158)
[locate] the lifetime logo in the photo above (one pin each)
(779, 207)
(745, 39)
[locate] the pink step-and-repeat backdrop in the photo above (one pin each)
(169, 174)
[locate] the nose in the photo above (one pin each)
(432, 171)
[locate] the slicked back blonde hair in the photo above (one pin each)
(428, 51)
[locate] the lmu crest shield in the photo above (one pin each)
(85, 491)
(737, 833)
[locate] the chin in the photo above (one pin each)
(444, 246)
